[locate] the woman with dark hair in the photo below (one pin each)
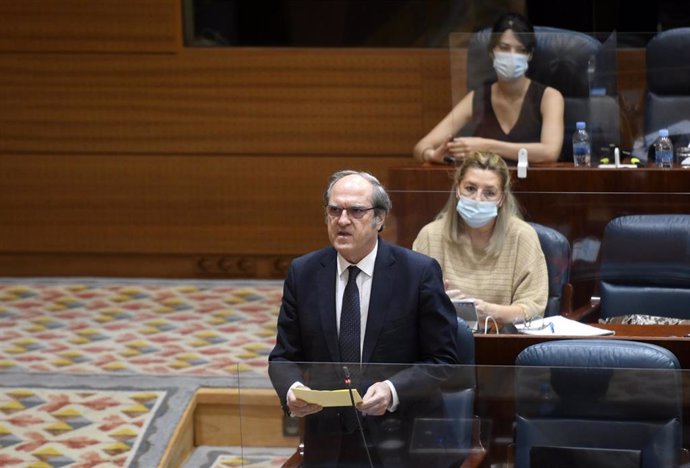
(485, 249)
(512, 113)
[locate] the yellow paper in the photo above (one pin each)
(327, 397)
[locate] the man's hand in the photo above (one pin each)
(377, 399)
(300, 408)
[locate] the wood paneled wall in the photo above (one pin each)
(223, 101)
(123, 154)
(103, 26)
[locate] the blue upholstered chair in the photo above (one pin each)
(645, 266)
(597, 403)
(668, 86)
(458, 394)
(465, 343)
(561, 59)
(564, 60)
(556, 248)
(459, 389)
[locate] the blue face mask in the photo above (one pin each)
(476, 213)
(510, 66)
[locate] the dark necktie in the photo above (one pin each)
(350, 319)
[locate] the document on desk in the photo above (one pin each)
(327, 397)
(560, 326)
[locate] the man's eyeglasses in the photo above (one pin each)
(353, 212)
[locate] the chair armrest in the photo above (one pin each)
(475, 458)
(510, 454)
(567, 299)
(296, 459)
(585, 313)
(477, 451)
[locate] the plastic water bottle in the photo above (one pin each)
(582, 149)
(663, 149)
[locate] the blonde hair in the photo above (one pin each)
(454, 225)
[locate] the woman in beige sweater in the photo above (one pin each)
(487, 252)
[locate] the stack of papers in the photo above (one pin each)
(561, 326)
(327, 397)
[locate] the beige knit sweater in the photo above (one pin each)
(517, 276)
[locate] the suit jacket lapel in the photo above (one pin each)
(381, 291)
(325, 288)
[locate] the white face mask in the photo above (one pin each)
(476, 213)
(510, 66)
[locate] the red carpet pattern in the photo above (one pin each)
(80, 429)
(207, 329)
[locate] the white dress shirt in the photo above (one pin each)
(363, 280)
(366, 265)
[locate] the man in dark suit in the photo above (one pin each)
(403, 316)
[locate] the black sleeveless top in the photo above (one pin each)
(527, 128)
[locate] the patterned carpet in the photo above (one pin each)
(233, 457)
(209, 328)
(188, 333)
(42, 427)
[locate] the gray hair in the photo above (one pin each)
(381, 202)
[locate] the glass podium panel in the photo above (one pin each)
(492, 415)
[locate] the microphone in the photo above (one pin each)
(348, 383)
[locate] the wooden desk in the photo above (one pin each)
(577, 202)
(501, 350)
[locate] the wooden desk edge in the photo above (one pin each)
(501, 350)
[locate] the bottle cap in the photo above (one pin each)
(663, 132)
(580, 125)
